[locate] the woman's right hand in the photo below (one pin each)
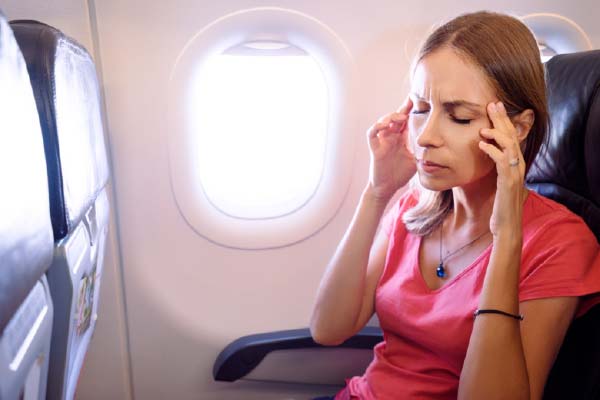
(392, 163)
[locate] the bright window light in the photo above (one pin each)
(260, 113)
(546, 52)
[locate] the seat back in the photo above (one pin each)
(568, 171)
(65, 85)
(26, 243)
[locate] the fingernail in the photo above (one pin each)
(493, 107)
(500, 106)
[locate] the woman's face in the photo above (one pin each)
(449, 97)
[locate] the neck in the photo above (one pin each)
(473, 205)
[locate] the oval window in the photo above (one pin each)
(262, 128)
(556, 34)
(260, 115)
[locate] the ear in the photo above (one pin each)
(523, 123)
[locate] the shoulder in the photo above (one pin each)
(558, 252)
(552, 221)
(407, 200)
(393, 218)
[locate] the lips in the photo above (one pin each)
(430, 167)
(428, 163)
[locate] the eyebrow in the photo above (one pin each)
(451, 105)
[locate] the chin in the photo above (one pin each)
(436, 185)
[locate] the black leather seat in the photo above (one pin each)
(568, 171)
(64, 81)
(25, 232)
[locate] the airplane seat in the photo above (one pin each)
(67, 94)
(568, 171)
(26, 243)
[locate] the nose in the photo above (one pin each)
(428, 133)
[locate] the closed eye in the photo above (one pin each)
(461, 121)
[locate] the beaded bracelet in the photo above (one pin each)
(493, 311)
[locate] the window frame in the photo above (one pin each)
(338, 66)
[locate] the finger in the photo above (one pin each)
(511, 153)
(375, 129)
(499, 118)
(406, 106)
(506, 133)
(389, 124)
(398, 117)
(381, 131)
(502, 160)
(384, 121)
(373, 141)
(388, 137)
(398, 126)
(493, 152)
(505, 142)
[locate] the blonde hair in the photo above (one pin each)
(507, 52)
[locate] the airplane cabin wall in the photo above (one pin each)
(186, 297)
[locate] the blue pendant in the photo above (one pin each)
(440, 271)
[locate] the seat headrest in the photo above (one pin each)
(568, 168)
(67, 93)
(26, 243)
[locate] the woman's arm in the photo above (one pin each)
(345, 299)
(542, 335)
(507, 358)
(495, 365)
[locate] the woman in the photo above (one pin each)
(473, 288)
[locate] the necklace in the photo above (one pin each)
(441, 271)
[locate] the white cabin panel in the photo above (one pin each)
(171, 298)
(186, 296)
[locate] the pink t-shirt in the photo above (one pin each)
(426, 332)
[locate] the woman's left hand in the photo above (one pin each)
(510, 166)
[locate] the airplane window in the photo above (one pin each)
(261, 121)
(546, 52)
(557, 34)
(262, 128)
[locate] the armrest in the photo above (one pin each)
(241, 356)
